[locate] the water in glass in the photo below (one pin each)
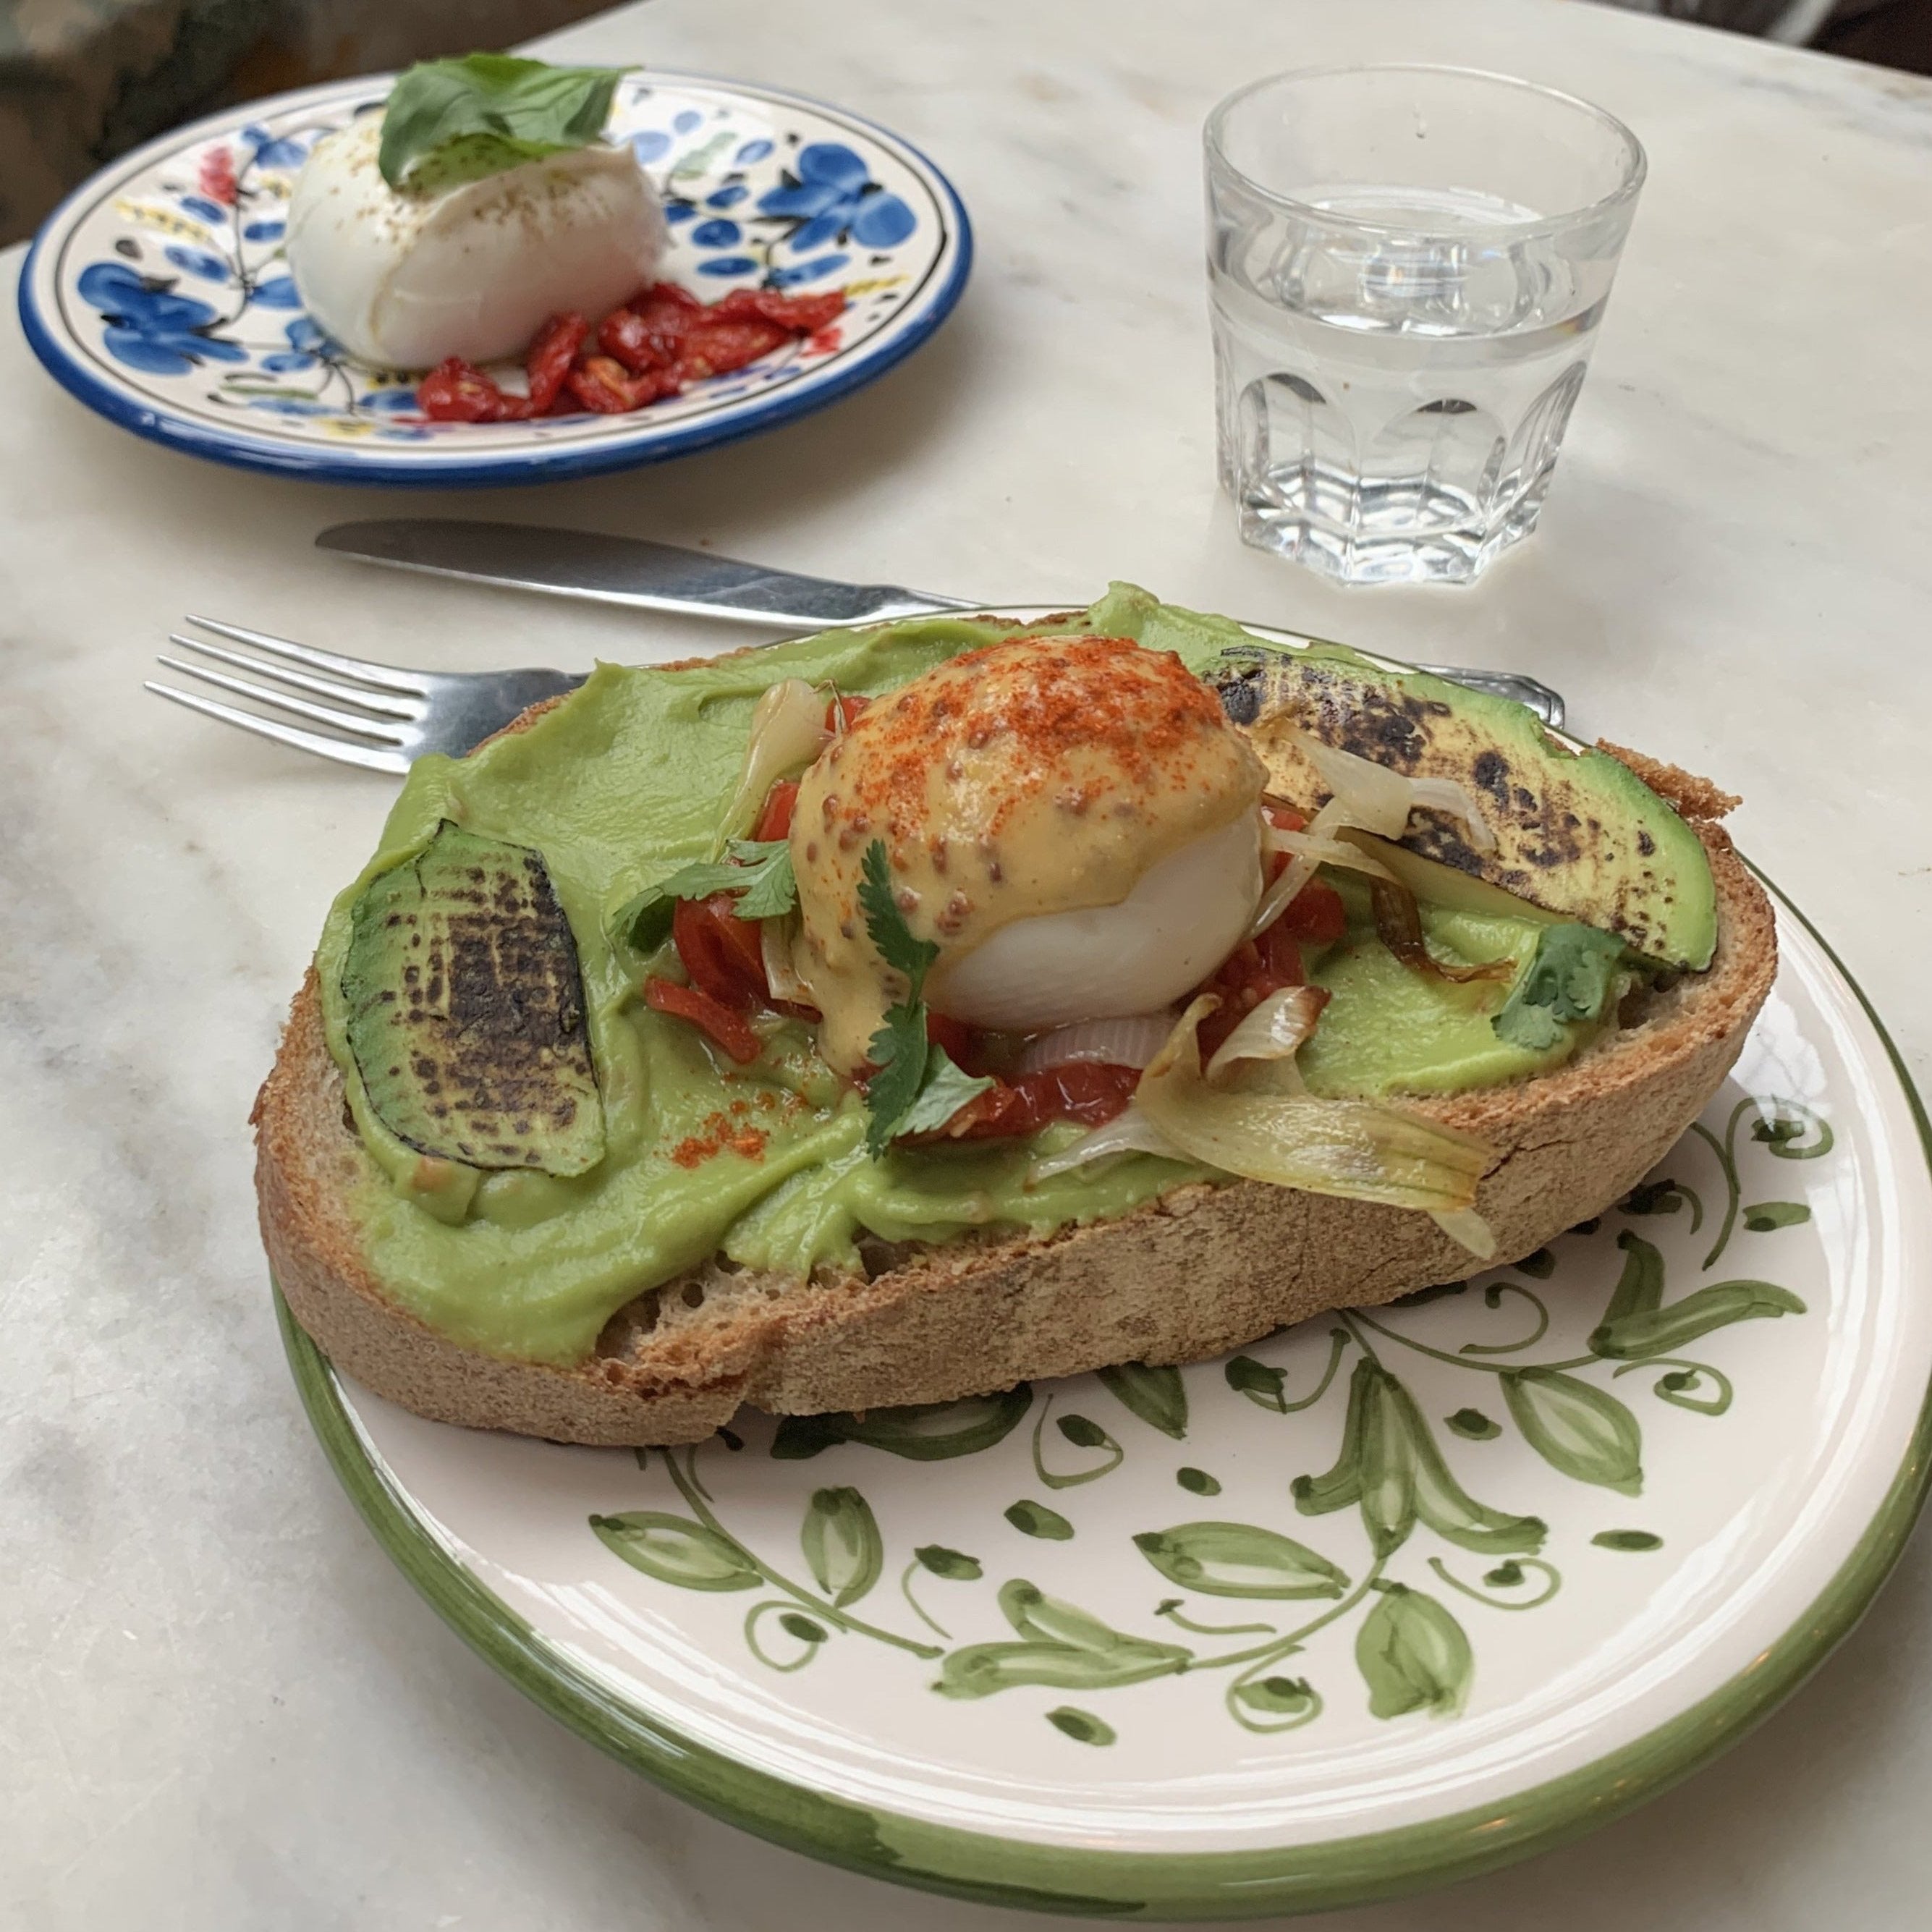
(1395, 365)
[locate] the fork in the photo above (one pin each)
(398, 715)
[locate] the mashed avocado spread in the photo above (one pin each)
(617, 786)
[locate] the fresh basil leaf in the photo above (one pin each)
(1569, 979)
(887, 927)
(448, 121)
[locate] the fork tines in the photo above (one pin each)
(388, 704)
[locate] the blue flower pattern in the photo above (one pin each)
(151, 329)
(832, 198)
(826, 195)
(307, 346)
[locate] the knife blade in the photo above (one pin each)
(651, 576)
(632, 570)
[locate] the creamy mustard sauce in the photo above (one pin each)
(1039, 776)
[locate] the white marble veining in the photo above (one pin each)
(223, 1709)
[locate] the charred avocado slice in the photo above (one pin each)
(1578, 834)
(465, 1009)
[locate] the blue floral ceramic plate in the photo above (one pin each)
(159, 295)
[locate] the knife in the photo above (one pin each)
(649, 576)
(632, 570)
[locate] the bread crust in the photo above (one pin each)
(1203, 1270)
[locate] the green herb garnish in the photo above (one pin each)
(917, 1088)
(762, 878)
(452, 121)
(1569, 979)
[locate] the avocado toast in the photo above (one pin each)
(608, 1230)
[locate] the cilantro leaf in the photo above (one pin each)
(917, 1089)
(643, 923)
(944, 1089)
(762, 879)
(885, 924)
(898, 1051)
(773, 888)
(1569, 979)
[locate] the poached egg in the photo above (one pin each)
(1071, 821)
(403, 278)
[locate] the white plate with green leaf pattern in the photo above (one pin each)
(1387, 1600)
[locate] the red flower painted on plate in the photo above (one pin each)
(216, 176)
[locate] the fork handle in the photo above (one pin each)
(631, 571)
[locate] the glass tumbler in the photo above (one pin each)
(1406, 268)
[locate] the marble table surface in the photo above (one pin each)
(220, 1707)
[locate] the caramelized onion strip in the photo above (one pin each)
(1398, 926)
(1356, 1149)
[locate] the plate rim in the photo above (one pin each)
(265, 456)
(988, 1869)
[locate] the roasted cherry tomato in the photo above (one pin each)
(721, 951)
(1090, 1094)
(774, 821)
(718, 1022)
(1315, 913)
(1255, 969)
(547, 360)
(960, 1041)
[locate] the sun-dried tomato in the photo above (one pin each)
(656, 296)
(458, 391)
(603, 386)
(547, 360)
(663, 338)
(625, 336)
(666, 314)
(718, 1022)
(799, 315)
(716, 348)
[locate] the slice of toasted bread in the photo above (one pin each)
(1202, 1270)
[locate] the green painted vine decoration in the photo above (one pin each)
(1389, 1469)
